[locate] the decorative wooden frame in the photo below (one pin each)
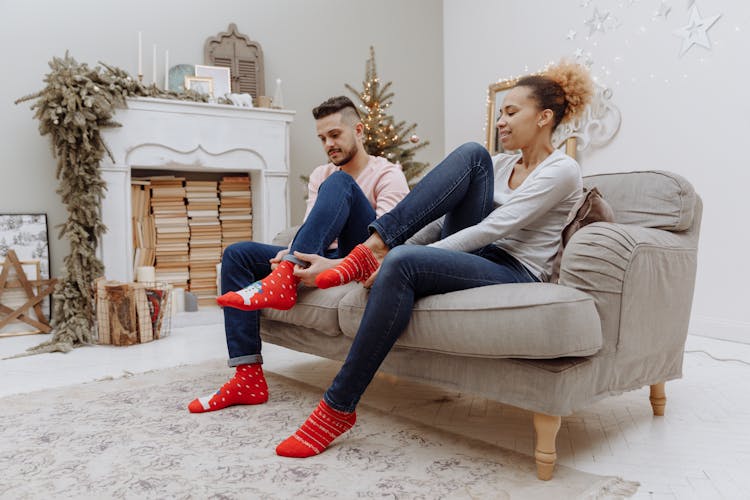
(244, 58)
(198, 84)
(495, 94)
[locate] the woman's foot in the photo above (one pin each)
(359, 265)
(278, 290)
(322, 426)
(247, 387)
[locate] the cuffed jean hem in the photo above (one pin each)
(337, 406)
(294, 260)
(245, 360)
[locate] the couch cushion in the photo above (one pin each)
(315, 308)
(655, 198)
(529, 320)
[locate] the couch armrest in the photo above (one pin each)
(285, 237)
(642, 281)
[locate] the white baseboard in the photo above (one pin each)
(718, 328)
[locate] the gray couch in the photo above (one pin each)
(617, 320)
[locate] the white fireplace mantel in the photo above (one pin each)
(193, 137)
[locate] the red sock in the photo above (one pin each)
(322, 426)
(278, 290)
(247, 387)
(357, 266)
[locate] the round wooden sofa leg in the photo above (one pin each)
(658, 399)
(546, 427)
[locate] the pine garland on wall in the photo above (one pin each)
(77, 103)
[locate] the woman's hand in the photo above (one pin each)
(318, 264)
(275, 261)
(368, 283)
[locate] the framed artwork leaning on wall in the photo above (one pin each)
(28, 235)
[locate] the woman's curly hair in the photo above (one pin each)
(565, 88)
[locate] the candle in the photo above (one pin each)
(145, 274)
(166, 70)
(140, 54)
(153, 76)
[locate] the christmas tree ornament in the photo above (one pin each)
(414, 138)
(696, 31)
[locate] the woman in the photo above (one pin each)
(476, 221)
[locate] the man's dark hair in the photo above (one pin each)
(340, 104)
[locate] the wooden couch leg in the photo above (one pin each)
(546, 427)
(658, 399)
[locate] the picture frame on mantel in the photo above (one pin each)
(221, 82)
(200, 84)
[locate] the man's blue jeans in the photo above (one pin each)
(341, 211)
(461, 188)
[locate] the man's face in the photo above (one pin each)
(339, 138)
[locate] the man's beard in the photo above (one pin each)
(348, 155)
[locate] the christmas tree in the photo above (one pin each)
(383, 135)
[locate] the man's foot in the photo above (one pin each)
(278, 290)
(357, 266)
(322, 426)
(247, 387)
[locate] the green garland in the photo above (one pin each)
(77, 103)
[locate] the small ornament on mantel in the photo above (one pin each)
(278, 96)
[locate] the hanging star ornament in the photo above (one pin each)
(663, 10)
(596, 23)
(571, 35)
(696, 31)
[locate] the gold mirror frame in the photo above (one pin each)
(494, 100)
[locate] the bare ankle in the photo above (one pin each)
(376, 244)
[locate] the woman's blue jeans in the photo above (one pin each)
(461, 188)
(341, 211)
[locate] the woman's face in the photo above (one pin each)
(519, 119)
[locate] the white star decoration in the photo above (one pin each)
(696, 31)
(663, 10)
(571, 35)
(596, 23)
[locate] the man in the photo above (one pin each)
(344, 197)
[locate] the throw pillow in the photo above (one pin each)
(592, 207)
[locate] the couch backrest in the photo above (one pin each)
(654, 198)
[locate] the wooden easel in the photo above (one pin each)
(36, 291)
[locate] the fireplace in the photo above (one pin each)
(161, 134)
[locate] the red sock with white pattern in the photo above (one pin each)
(322, 426)
(278, 290)
(357, 266)
(247, 387)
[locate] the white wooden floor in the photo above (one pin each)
(700, 449)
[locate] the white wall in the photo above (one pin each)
(686, 114)
(315, 47)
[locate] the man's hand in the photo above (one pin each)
(275, 261)
(318, 264)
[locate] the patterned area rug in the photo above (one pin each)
(133, 438)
